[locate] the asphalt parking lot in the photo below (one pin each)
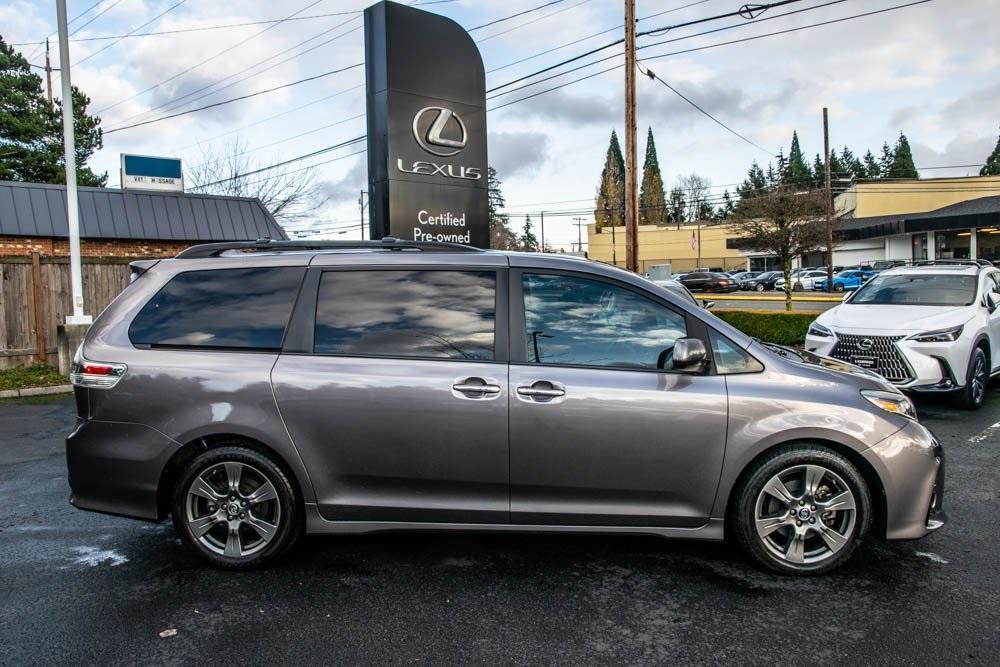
(82, 588)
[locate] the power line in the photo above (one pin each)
(284, 162)
(748, 11)
(514, 16)
(541, 18)
(207, 60)
(231, 100)
(96, 16)
(653, 75)
(150, 21)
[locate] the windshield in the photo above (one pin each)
(918, 290)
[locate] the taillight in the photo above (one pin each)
(95, 374)
(723, 282)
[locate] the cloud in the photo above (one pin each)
(569, 107)
(347, 187)
(515, 153)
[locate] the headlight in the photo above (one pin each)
(941, 336)
(817, 329)
(891, 402)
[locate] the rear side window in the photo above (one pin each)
(420, 314)
(224, 308)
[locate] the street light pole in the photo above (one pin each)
(69, 143)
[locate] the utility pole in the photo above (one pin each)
(614, 247)
(541, 218)
(48, 72)
(69, 144)
(361, 206)
(829, 202)
(631, 184)
(579, 233)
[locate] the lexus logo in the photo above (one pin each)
(866, 344)
(432, 139)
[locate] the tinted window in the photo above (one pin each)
(238, 308)
(918, 290)
(729, 358)
(438, 314)
(576, 321)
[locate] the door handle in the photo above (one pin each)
(548, 393)
(541, 391)
(476, 387)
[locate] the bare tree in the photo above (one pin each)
(289, 193)
(696, 197)
(785, 221)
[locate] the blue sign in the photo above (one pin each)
(144, 172)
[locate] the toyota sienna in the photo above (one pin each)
(255, 391)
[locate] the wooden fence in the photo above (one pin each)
(35, 297)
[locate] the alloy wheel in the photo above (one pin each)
(979, 379)
(232, 509)
(805, 514)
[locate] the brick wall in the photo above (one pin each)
(15, 246)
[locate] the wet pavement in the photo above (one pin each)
(78, 587)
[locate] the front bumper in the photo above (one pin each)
(116, 468)
(933, 367)
(910, 464)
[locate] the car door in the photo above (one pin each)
(696, 281)
(599, 435)
(393, 386)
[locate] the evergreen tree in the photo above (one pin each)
(31, 140)
(838, 170)
(871, 166)
(652, 201)
(501, 235)
(992, 166)
(754, 184)
(797, 172)
(902, 160)
(528, 241)
(885, 161)
(851, 164)
(609, 208)
(778, 174)
(727, 208)
(819, 172)
(677, 206)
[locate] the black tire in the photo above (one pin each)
(255, 466)
(838, 288)
(972, 395)
(788, 460)
(759, 287)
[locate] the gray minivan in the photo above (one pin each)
(255, 391)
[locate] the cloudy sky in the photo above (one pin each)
(931, 70)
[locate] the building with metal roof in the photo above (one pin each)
(125, 222)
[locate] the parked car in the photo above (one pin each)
(683, 292)
(740, 277)
(704, 281)
(256, 391)
(802, 280)
(846, 280)
(763, 282)
(933, 329)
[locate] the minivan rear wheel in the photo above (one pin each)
(803, 510)
(234, 507)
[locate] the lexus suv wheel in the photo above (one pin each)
(803, 510)
(235, 508)
(977, 380)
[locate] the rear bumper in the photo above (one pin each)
(911, 466)
(116, 467)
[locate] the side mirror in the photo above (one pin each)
(689, 354)
(992, 301)
(707, 304)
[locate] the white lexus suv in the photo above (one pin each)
(930, 327)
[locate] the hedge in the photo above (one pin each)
(771, 326)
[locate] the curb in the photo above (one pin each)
(37, 391)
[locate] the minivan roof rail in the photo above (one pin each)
(206, 250)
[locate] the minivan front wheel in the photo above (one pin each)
(803, 510)
(235, 508)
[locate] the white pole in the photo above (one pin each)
(69, 141)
